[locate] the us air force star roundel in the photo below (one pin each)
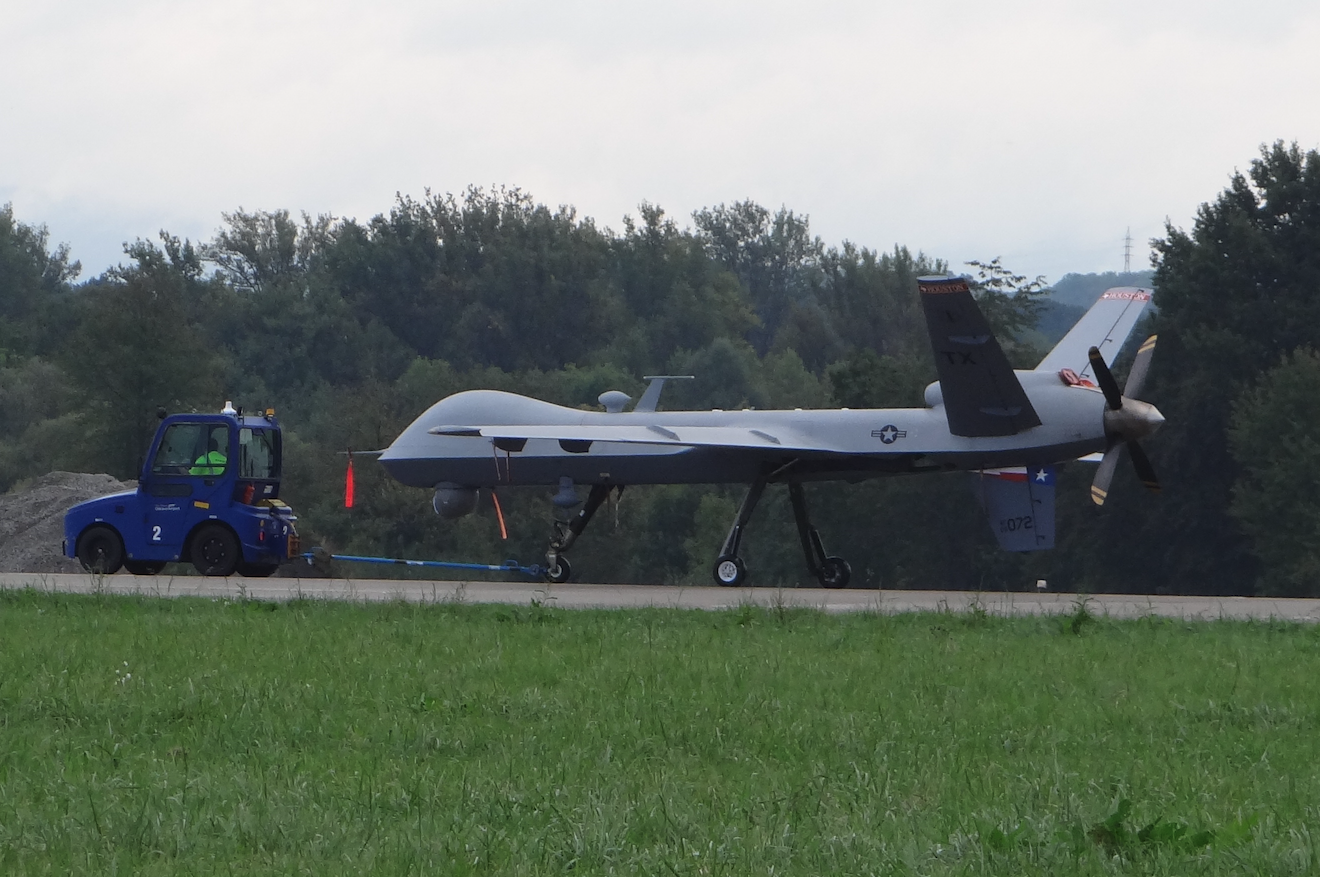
(889, 434)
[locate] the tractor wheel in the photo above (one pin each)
(100, 550)
(215, 551)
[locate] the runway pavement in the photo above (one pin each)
(588, 596)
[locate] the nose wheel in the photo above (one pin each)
(557, 569)
(730, 570)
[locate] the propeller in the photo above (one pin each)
(1126, 420)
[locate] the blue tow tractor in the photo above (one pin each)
(208, 494)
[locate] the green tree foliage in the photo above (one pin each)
(790, 384)
(867, 380)
(1275, 439)
(138, 347)
(872, 301)
(37, 426)
(493, 279)
(34, 283)
(773, 254)
(1235, 294)
(726, 374)
(674, 296)
(260, 250)
(40, 429)
(278, 315)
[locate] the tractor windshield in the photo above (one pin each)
(192, 448)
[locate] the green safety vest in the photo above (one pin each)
(210, 463)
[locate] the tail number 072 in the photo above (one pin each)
(1012, 525)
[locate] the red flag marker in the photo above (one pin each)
(348, 483)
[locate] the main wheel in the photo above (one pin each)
(559, 573)
(835, 573)
(144, 567)
(730, 571)
(100, 550)
(257, 570)
(215, 551)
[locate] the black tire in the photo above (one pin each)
(729, 571)
(100, 550)
(215, 551)
(835, 573)
(257, 570)
(144, 567)
(559, 573)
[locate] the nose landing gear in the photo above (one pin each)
(557, 568)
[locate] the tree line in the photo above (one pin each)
(350, 329)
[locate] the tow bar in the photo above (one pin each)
(534, 571)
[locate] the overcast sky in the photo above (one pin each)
(1035, 131)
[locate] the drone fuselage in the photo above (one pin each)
(806, 444)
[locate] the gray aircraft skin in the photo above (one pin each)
(712, 447)
(981, 415)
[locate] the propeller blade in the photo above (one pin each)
(1140, 366)
(1105, 379)
(1126, 427)
(1145, 471)
(1103, 475)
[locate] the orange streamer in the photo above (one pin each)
(499, 514)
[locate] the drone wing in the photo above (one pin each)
(581, 436)
(1105, 326)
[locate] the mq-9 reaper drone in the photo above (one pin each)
(1007, 427)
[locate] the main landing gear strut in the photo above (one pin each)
(557, 569)
(832, 572)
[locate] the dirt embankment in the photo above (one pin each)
(32, 519)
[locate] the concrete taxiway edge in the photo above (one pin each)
(604, 596)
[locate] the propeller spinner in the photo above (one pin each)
(1126, 420)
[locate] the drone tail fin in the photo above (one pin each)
(1020, 504)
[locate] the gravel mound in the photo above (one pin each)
(32, 519)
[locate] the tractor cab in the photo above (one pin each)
(196, 455)
(208, 493)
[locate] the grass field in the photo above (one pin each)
(190, 736)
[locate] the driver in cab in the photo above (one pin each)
(214, 460)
